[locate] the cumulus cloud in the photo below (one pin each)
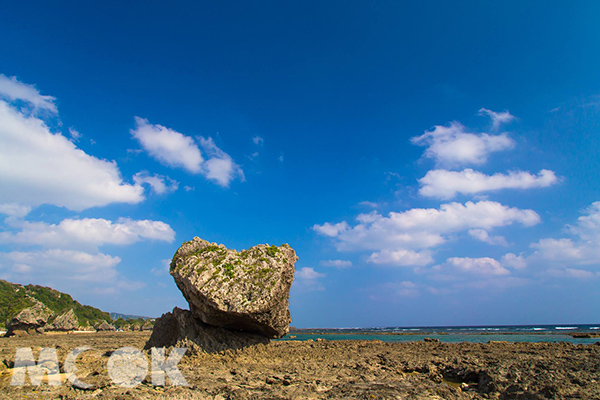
(12, 89)
(514, 261)
(331, 230)
(177, 150)
(565, 256)
(498, 118)
(477, 266)
(308, 273)
(483, 236)
(39, 167)
(220, 167)
(14, 210)
(159, 184)
(444, 184)
(70, 265)
(453, 145)
(423, 227)
(66, 270)
(309, 279)
(401, 257)
(168, 146)
(258, 140)
(395, 239)
(336, 263)
(89, 232)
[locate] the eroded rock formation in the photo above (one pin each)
(247, 290)
(29, 320)
(236, 298)
(65, 322)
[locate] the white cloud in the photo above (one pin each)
(89, 232)
(397, 238)
(444, 184)
(258, 140)
(168, 146)
(309, 279)
(483, 236)
(308, 273)
(336, 263)
(332, 230)
(573, 273)
(220, 167)
(158, 183)
(75, 135)
(401, 257)
(477, 266)
(70, 265)
(562, 250)
(497, 118)
(514, 261)
(581, 249)
(39, 167)
(422, 228)
(588, 225)
(453, 145)
(66, 270)
(14, 210)
(12, 89)
(176, 150)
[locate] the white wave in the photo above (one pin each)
(565, 327)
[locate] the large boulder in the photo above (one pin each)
(29, 320)
(148, 326)
(181, 329)
(65, 322)
(104, 327)
(247, 290)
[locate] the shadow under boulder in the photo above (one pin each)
(180, 328)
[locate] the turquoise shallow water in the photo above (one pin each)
(450, 334)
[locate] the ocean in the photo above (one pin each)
(454, 334)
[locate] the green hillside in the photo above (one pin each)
(15, 297)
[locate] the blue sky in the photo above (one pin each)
(432, 163)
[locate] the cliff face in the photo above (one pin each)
(29, 308)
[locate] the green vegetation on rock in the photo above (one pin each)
(14, 298)
(272, 250)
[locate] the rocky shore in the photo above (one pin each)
(239, 304)
(326, 369)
